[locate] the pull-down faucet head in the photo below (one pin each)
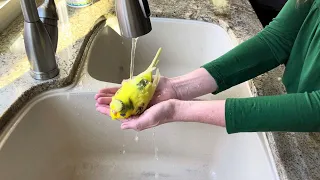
(133, 17)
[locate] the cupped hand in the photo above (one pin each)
(156, 115)
(165, 91)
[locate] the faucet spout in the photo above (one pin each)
(38, 43)
(133, 17)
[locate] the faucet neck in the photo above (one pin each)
(29, 11)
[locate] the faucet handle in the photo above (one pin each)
(145, 8)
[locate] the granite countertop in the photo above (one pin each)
(296, 154)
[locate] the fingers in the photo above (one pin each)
(103, 109)
(101, 95)
(104, 100)
(102, 105)
(128, 125)
(109, 90)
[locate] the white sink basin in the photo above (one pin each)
(60, 135)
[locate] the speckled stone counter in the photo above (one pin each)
(296, 154)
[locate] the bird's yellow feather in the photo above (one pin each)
(135, 94)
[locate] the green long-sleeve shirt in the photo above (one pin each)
(293, 39)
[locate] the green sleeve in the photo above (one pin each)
(290, 112)
(261, 53)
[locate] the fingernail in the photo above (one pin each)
(96, 96)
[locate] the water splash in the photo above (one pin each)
(136, 138)
(156, 175)
(133, 54)
(213, 175)
(156, 153)
(80, 85)
(123, 150)
(156, 157)
(68, 96)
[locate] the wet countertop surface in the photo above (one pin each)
(296, 154)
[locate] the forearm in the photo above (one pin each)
(194, 84)
(290, 113)
(208, 112)
(246, 61)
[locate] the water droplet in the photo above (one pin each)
(156, 153)
(75, 107)
(136, 138)
(123, 151)
(68, 96)
(155, 146)
(156, 175)
(279, 78)
(214, 176)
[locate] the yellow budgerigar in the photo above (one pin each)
(135, 94)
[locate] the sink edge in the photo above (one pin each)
(52, 84)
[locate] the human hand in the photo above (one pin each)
(156, 115)
(164, 91)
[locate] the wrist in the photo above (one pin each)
(194, 84)
(175, 82)
(175, 106)
(209, 112)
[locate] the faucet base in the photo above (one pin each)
(44, 75)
